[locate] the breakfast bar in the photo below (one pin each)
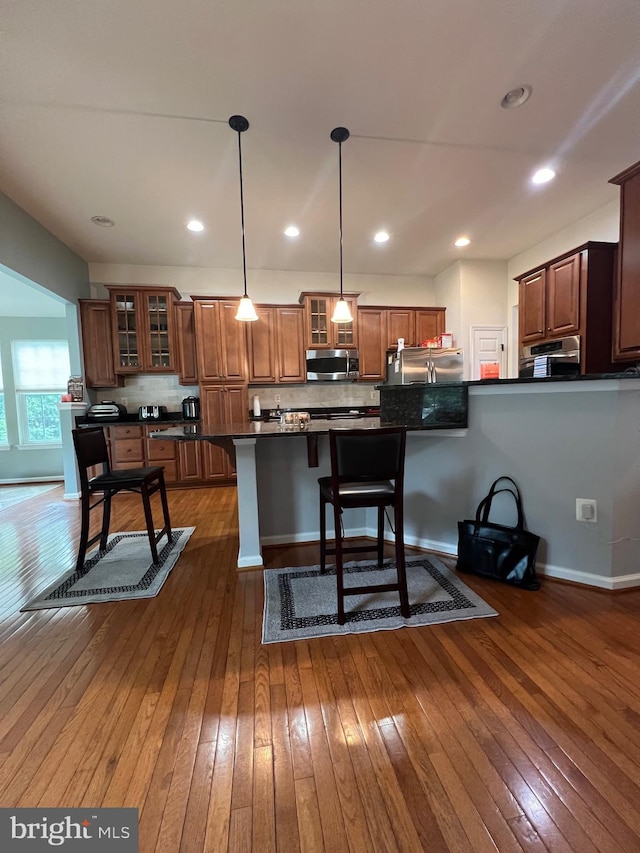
(560, 441)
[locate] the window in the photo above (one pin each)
(41, 371)
(4, 441)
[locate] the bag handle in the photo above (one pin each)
(484, 507)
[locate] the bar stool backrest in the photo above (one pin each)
(91, 449)
(368, 454)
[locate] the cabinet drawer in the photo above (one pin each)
(128, 450)
(159, 449)
(118, 432)
(170, 471)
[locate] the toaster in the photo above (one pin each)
(151, 413)
(106, 410)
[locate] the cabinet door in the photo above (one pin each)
(97, 344)
(127, 337)
(626, 308)
(532, 307)
(215, 461)
(290, 350)
(401, 323)
(156, 326)
(186, 343)
(372, 337)
(233, 342)
(262, 346)
(563, 296)
(190, 464)
(321, 333)
(207, 325)
(430, 322)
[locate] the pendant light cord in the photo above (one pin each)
(340, 191)
(244, 257)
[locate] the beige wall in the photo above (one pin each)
(278, 286)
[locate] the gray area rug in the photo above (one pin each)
(300, 603)
(122, 571)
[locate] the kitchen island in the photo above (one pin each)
(559, 440)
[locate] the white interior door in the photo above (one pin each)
(488, 352)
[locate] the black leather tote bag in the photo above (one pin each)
(493, 550)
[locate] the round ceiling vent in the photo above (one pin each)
(516, 97)
(103, 221)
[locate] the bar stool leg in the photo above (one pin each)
(149, 520)
(400, 562)
(106, 520)
(165, 508)
(339, 567)
(323, 534)
(380, 536)
(84, 531)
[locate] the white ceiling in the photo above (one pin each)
(120, 109)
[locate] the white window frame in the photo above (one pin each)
(24, 391)
(4, 443)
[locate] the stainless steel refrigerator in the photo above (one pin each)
(424, 364)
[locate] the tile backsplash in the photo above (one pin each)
(148, 389)
(164, 390)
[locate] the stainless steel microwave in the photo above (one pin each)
(332, 365)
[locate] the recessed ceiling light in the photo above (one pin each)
(516, 97)
(462, 241)
(195, 225)
(543, 176)
(292, 231)
(103, 221)
(381, 237)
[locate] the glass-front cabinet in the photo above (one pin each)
(320, 332)
(143, 328)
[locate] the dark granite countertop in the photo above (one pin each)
(631, 373)
(170, 419)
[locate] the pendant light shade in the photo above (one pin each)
(341, 313)
(246, 311)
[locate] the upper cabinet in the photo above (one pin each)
(186, 343)
(571, 295)
(275, 345)
(320, 332)
(221, 341)
(97, 344)
(626, 310)
(142, 322)
(379, 329)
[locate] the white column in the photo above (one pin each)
(68, 413)
(249, 554)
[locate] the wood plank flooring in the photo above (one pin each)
(520, 732)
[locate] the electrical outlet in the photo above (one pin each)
(586, 510)
(124, 401)
(277, 398)
(373, 395)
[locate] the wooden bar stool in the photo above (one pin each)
(91, 449)
(367, 470)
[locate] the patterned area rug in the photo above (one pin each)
(301, 603)
(123, 570)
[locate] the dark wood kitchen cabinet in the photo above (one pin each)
(221, 341)
(131, 447)
(276, 346)
(142, 325)
(97, 344)
(320, 332)
(572, 295)
(221, 404)
(186, 343)
(380, 327)
(626, 305)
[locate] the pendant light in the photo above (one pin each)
(246, 311)
(341, 313)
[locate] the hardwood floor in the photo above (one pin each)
(520, 732)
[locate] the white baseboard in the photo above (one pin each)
(23, 480)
